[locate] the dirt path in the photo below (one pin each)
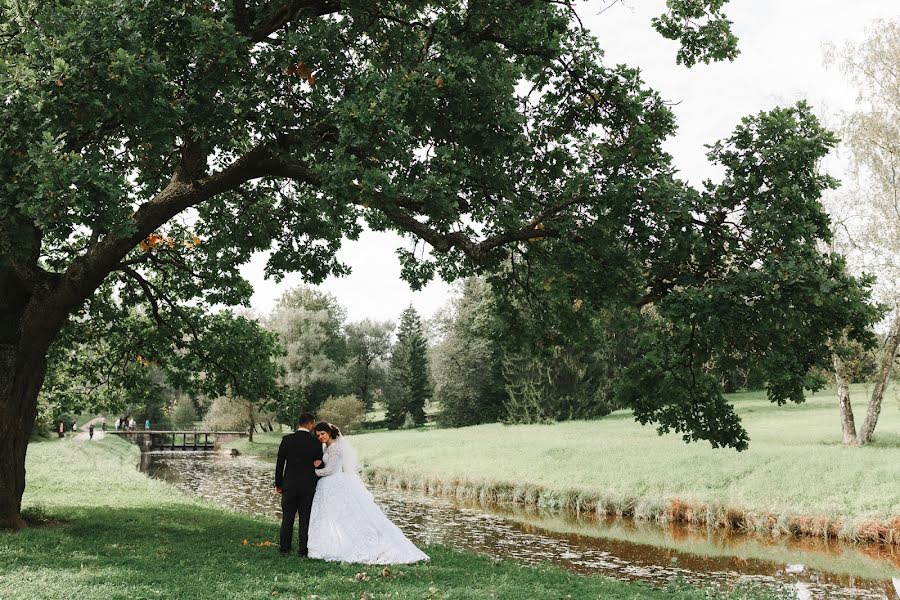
(99, 434)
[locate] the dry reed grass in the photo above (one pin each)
(662, 512)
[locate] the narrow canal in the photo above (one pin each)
(615, 548)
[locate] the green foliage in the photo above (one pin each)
(129, 361)
(291, 402)
(466, 365)
(150, 148)
(309, 324)
(347, 412)
(484, 372)
(701, 28)
(184, 415)
(226, 414)
(731, 275)
(860, 364)
(409, 387)
(569, 377)
(368, 345)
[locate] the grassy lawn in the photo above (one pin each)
(264, 445)
(113, 533)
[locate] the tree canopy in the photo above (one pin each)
(150, 148)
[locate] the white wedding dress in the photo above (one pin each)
(346, 525)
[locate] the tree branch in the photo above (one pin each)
(291, 10)
(147, 288)
(396, 209)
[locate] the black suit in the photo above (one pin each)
(296, 476)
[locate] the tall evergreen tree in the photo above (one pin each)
(409, 377)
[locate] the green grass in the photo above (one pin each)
(264, 445)
(113, 533)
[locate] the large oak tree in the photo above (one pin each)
(149, 147)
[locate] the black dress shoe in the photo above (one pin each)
(301, 553)
(284, 552)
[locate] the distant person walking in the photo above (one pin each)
(147, 424)
(91, 431)
(61, 430)
(103, 424)
(74, 427)
(131, 424)
(118, 423)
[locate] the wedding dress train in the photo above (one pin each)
(346, 525)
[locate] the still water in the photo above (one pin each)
(616, 548)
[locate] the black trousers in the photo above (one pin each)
(294, 504)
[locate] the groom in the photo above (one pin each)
(295, 480)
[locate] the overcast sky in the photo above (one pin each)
(781, 61)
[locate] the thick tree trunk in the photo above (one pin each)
(887, 362)
(25, 335)
(365, 387)
(18, 408)
(848, 425)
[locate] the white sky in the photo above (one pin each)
(781, 61)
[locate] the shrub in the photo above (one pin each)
(184, 414)
(347, 412)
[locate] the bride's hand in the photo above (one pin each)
(317, 463)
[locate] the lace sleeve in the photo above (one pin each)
(332, 460)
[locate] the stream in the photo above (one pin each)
(617, 548)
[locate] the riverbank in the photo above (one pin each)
(796, 478)
(104, 530)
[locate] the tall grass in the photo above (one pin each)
(796, 478)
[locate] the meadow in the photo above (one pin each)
(796, 477)
(101, 529)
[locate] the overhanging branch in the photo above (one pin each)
(289, 11)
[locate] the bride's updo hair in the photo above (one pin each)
(332, 430)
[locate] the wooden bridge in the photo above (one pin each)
(178, 440)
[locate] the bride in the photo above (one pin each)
(346, 525)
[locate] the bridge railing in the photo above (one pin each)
(166, 439)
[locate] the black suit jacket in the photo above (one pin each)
(294, 471)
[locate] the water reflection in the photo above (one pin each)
(609, 548)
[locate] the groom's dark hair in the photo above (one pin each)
(305, 418)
